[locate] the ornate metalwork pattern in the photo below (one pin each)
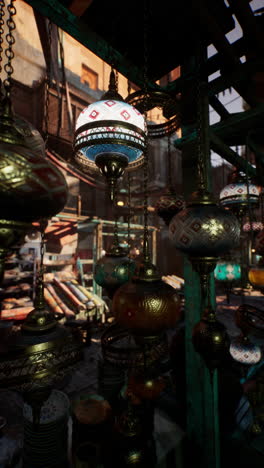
(245, 352)
(30, 186)
(168, 205)
(237, 193)
(39, 366)
(112, 271)
(146, 308)
(210, 339)
(204, 230)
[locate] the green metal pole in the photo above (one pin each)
(202, 390)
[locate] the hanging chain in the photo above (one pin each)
(169, 150)
(249, 204)
(47, 88)
(116, 242)
(9, 50)
(2, 23)
(42, 249)
(129, 211)
(200, 163)
(145, 175)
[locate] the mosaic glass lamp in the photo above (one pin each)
(239, 193)
(255, 226)
(204, 229)
(245, 352)
(110, 134)
(227, 271)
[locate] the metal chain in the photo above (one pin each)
(115, 216)
(116, 78)
(9, 50)
(129, 210)
(47, 89)
(169, 150)
(200, 163)
(2, 23)
(249, 207)
(146, 159)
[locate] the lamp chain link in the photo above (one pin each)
(115, 216)
(9, 50)
(146, 159)
(200, 163)
(42, 249)
(129, 210)
(2, 23)
(47, 88)
(169, 150)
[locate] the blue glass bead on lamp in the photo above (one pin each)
(110, 135)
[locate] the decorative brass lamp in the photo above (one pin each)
(30, 186)
(170, 203)
(115, 267)
(204, 231)
(41, 355)
(110, 134)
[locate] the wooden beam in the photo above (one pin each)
(75, 27)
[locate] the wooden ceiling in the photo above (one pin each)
(114, 30)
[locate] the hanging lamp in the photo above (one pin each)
(115, 268)
(146, 305)
(110, 134)
(170, 203)
(239, 193)
(30, 186)
(43, 352)
(203, 230)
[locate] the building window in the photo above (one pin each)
(89, 77)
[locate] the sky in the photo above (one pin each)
(232, 101)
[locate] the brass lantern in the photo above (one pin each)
(204, 230)
(239, 193)
(168, 205)
(114, 269)
(147, 306)
(210, 340)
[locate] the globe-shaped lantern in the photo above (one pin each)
(239, 193)
(244, 351)
(256, 276)
(114, 269)
(31, 187)
(210, 340)
(110, 134)
(254, 226)
(168, 205)
(203, 229)
(146, 306)
(227, 271)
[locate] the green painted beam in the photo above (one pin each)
(76, 28)
(240, 74)
(201, 393)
